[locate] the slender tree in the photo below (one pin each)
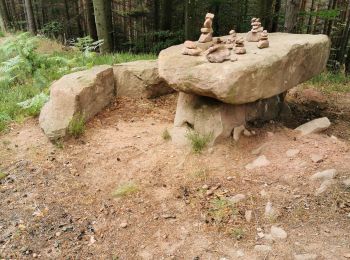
(167, 14)
(4, 16)
(275, 19)
(291, 19)
(103, 19)
(30, 16)
(90, 19)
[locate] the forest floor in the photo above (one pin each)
(123, 192)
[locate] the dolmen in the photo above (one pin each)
(218, 95)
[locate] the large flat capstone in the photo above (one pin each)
(84, 92)
(261, 73)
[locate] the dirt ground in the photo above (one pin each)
(59, 201)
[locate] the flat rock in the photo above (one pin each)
(324, 175)
(262, 248)
(314, 126)
(305, 257)
(278, 233)
(325, 185)
(259, 74)
(261, 161)
(316, 158)
(237, 198)
(139, 79)
(84, 92)
(292, 152)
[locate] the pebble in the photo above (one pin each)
(258, 150)
(239, 253)
(248, 215)
(278, 233)
(270, 212)
(237, 131)
(237, 198)
(261, 161)
(262, 248)
(316, 158)
(205, 187)
(261, 234)
(229, 178)
(347, 255)
(324, 186)
(123, 225)
(292, 152)
(305, 257)
(324, 175)
(347, 183)
(58, 234)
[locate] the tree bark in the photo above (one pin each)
(186, 29)
(77, 18)
(30, 16)
(68, 29)
(103, 19)
(90, 19)
(274, 27)
(167, 14)
(291, 19)
(347, 64)
(156, 15)
(4, 16)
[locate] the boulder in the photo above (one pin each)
(314, 126)
(261, 73)
(84, 92)
(139, 79)
(209, 116)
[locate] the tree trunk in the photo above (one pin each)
(4, 16)
(90, 19)
(186, 20)
(77, 18)
(167, 14)
(276, 16)
(291, 19)
(68, 29)
(347, 64)
(103, 19)
(156, 15)
(30, 17)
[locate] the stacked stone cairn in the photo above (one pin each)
(230, 42)
(207, 30)
(254, 34)
(264, 40)
(240, 49)
(191, 49)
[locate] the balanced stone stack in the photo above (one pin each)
(254, 34)
(264, 40)
(216, 98)
(207, 30)
(240, 46)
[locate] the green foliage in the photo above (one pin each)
(2, 175)
(198, 141)
(76, 126)
(331, 82)
(166, 135)
(125, 190)
(26, 74)
(52, 29)
(221, 210)
(2, 34)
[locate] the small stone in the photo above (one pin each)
(270, 212)
(205, 187)
(316, 158)
(237, 131)
(305, 257)
(258, 150)
(324, 186)
(209, 192)
(292, 152)
(35, 255)
(123, 225)
(278, 233)
(247, 133)
(346, 183)
(168, 216)
(248, 215)
(190, 45)
(239, 253)
(229, 178)
(324, 175)
(314, 126)
(261, 235)
(347, 255)
(237, 198)
(261, 161)
(58, 234)
(262, 248)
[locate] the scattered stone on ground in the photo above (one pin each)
(347, 183)
(237, 198)
(314, 126)
(324, 175)
(324, 186)
(305, 257)
(278, 233)
(248, 215)
(292, 152)
(237, 131)
(263, 249)
(261, 161)
(270, 211)
(316, 158)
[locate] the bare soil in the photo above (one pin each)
(57, 200)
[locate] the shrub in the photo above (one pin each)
(198, 141)
(166, 135)
(125, 190)
(2, 34)
(76, 126)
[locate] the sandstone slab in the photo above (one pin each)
(139, 79)
(314, 126)
(261, 73)
(84, 92)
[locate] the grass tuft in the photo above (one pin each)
(221, 210)
(2, 175)
(198, 141)
(331, 82)
(166, 135)
(2, 34)
(125, 190)
(76, 126)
